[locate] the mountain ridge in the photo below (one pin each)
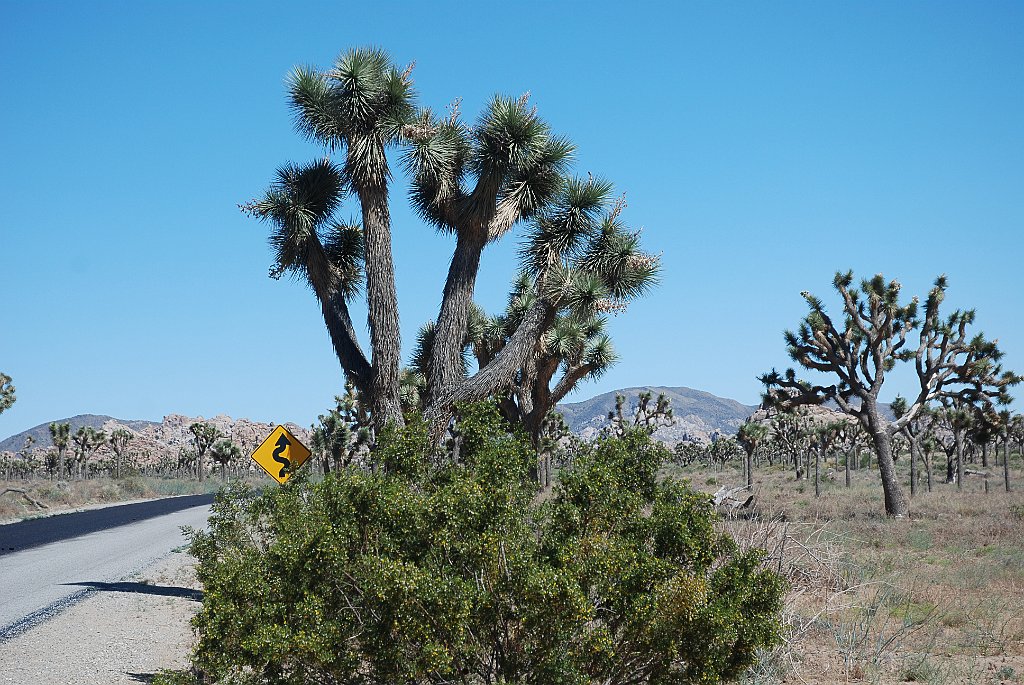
(41, 433)
(697, 415)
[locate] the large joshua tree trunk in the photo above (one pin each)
(895, 501)
(449, 336)
(382, 302)
(499, 374)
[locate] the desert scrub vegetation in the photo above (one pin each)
(933, 599)
(444, 566)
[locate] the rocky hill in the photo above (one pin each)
(697, 415)
(153, 441)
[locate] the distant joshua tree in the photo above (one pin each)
(868, 340)
(915, 432)
(646, 416)
(87, 440)
(203, 436)
(119, 440)
(60, 434)
(224, 452)
(343, 432)
(751, 435)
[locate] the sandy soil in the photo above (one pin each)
(112, 637)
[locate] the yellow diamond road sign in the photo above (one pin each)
(281, 454)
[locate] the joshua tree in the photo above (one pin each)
(203, 436)
(825, 437)
(791, 429)
(722, 451)
(957, 417)
(60, 433)
(645, 417)
(929, 444)
(475, 181)
(1017, 432)
(984, 431)
(341, 433)
(553, 431)
(330, 438)
(87, 440)
(751, 435)
(6, 392)
(686, 452)
(119, 440)
(914, 431)
(27, 454)
(225, 452)
(869, 342)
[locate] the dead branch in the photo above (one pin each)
(24, 494)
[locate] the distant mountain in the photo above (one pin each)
(42, 432)
(697, 415)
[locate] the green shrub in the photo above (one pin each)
(427, 571)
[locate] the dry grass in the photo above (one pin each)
(935, 599)
(64, 496)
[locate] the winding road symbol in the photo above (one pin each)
(282, 445)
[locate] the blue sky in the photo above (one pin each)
(761, 146)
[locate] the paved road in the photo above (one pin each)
(40, 580)
(17, 537)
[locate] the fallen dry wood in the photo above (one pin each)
(973, 472)
(27, 496)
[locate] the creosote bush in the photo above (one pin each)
(439, 567)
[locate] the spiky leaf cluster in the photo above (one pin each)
(359, 107)
(485, 177)
(309, 243)
(583, 257)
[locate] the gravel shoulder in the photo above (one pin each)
(118, 635)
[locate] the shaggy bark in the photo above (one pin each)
(382, 305)
(497, 376)
(346, 344)
(446, 368)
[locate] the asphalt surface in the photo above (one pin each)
(17, 537)
(60, 559)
